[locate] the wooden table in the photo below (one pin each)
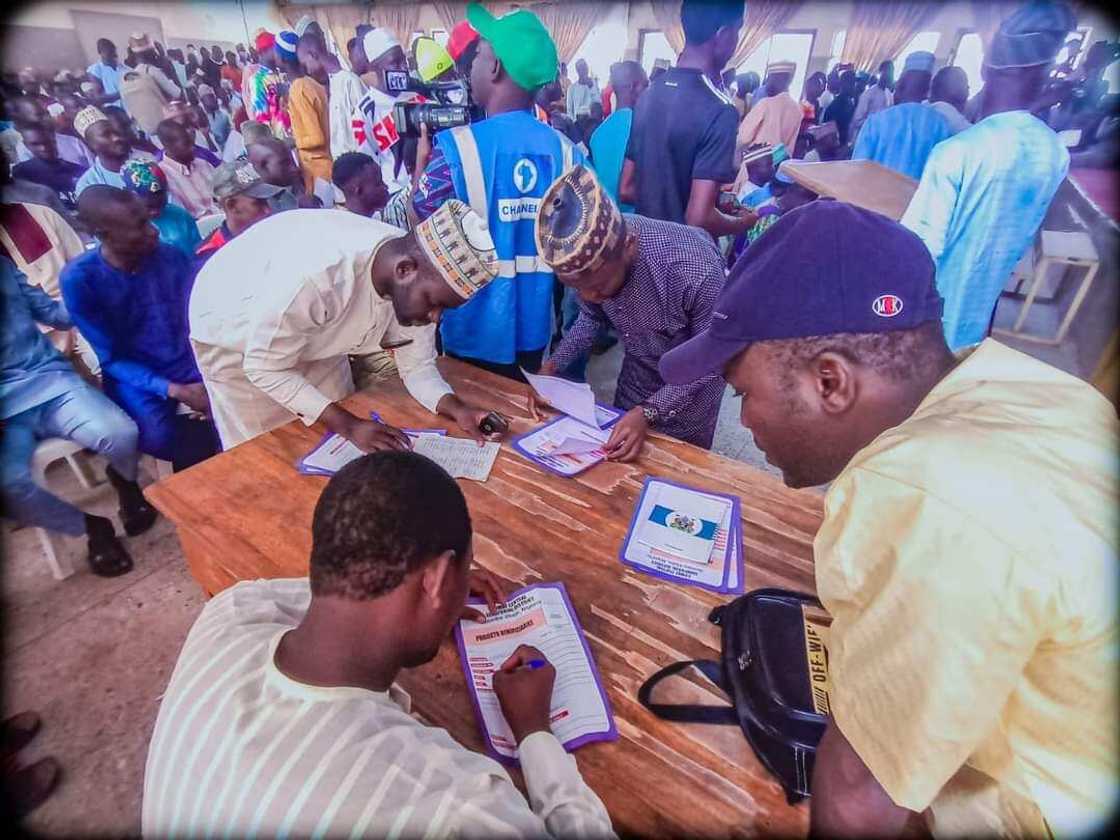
(863, 183)
(246, 514)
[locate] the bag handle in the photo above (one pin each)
(688, 712)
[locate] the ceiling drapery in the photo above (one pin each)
(879, 30)
(764, 18)
(568, 22)
(338, 19)
(450, 12)
(667, 13)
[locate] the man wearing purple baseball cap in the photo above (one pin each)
(969, 544)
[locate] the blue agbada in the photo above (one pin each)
(901, 137)
(137, 324)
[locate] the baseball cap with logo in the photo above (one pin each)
(240, 177)
(521, 43)
(825, 268)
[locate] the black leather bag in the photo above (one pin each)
(774, 668)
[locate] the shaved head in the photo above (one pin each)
(950, 85)
(120, 220)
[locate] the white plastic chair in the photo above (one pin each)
(208, 224)
(49, 451)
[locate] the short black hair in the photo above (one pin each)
(104, 43)
(348, 165)
(98, 199)
(702, 19)
(899, 355)
(381, 517)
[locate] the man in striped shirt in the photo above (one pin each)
(281, 717)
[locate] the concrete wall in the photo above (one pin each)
(62, 33)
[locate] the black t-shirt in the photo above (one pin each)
(60, 175)
(684, 130)
(841, 110)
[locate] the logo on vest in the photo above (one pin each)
(887, 306)
(516, 209)
(524, 175)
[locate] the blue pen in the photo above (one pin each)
(534, 664)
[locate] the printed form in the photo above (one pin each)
(540, 616)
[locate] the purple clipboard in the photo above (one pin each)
(610, 734)
(545, 461)
(735, 534)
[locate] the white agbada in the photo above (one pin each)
(346, 92)
(276, 312)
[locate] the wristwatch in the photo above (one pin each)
(650, 414)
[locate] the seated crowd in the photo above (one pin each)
(249, 238)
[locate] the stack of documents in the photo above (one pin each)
(541, 616)
(573, 442)
(687, 536)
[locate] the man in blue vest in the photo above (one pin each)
(501, 167)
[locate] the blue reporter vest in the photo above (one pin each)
(501, 167)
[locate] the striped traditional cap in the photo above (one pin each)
(578, 225)
(87, 117)
(457, 242)
(781, 67)
(286, 43)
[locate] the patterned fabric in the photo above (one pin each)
(263, 102)
(190, 184)
(982, 197)
(435, 187)
(143, 177)
(578, 226)
(670, 291)
(458, 243)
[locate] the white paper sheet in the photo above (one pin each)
(575, 399)
(537, 616)
(332, 455)
(545, 443)
(462, 458)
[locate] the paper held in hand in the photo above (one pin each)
(574, 442)
(576, 399)
(687, 536)
(540, 616)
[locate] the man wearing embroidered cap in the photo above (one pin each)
(985, 191)
(777, 117)
(654, 282)
(502, 166)
(971, 689)
(902, 136)
(108, 144)
(274, 321)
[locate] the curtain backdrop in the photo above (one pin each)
(338, 20)
(450, 12)
(668, 16)
(568, 22)
(401, 17)
(879, 30)
(764, 18)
